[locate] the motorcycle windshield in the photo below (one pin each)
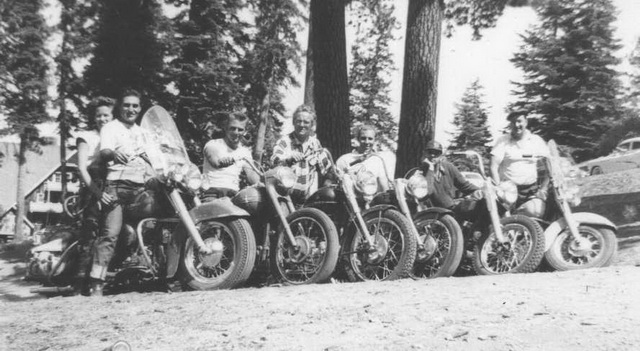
(166, 148)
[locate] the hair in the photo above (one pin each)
(304, 109)
(230, 116)
(366, 127)
(129, 92)
(93, 107)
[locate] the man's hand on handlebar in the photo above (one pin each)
(295, 157)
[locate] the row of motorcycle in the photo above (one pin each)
(347, 231)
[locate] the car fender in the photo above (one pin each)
(555, 228)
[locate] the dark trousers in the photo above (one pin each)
(125, 193)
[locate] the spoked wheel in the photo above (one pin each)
(230, 263)
(442, 246)
(596, 247)
(73, 206)
(314, 256)
(521, 253)
(392, 254)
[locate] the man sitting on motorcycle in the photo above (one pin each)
(122, 143)
(359, 159)
(444, 179)
(300, 151)
(515, 158)
(220, 168)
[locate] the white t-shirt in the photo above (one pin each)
(131, 140)
(225, 177)
(509, 153)
(92, 138)
(373, 164)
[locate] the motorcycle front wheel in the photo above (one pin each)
(232, 260)
(392, 254)
(315, 254)
(596, 247)
(522, 252)
(443, 245)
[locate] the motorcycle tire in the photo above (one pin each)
(316, 256)
(561, 256)
(235, 262)
(397, 242)
(492, 258)
(446, 246)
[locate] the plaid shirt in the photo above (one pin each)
(306, 170)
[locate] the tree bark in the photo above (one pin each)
(258, 149)
(308, 80)
(331, 89)
(420, 81)
(20, 200)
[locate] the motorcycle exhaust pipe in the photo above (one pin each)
(52, 290)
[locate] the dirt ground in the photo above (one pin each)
(594, 309)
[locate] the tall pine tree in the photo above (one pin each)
(23, 83)
(371, 67)
(472, 131)
(570, 86)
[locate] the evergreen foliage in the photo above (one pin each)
(371, 67)
(210, 40)
(472, 131)
(570, 86)
(128, 51)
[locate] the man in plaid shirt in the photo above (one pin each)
(299, 150)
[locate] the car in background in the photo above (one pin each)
(625, 156)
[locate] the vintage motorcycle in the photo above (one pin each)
(501, 242)
(573, 240)
(205, 246)
(295, 246)
(438, 235)
(377, 242)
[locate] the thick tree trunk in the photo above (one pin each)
(258, 149)
(420, 81)
(331, 89)
(20, 200)
(308, 80)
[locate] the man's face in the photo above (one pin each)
(518, 126)
(104, 115)
(234, 131)
(366, 139)
(432, 154)
(130, 109)
(303, 124)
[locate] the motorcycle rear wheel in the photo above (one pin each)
(317, 253)
(443, 231)
(231, 267)
(601, 246)
(522, 254)
(393, 237)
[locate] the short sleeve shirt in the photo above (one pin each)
(131, 140)
(374, 165)
(92, 138)
(509, 154)
(224, 177)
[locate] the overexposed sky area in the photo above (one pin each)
(462, 60)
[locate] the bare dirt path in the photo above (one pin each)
(593, 309)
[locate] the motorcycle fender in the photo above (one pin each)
(432, 210)
(218, 208)
(555, 228)
(378, 208)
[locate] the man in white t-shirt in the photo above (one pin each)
(222, 168)
(122, 144)
(359, 159)
(514, 158)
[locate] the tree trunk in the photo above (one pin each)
(20, 200)
(420, 81)
(308, 80)
(331, 89)
(258, 149)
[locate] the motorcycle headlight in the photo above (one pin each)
(507, 192)
(193, 178)
(366, 183)
(418, 186)
(285, 178)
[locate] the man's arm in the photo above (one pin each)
(460, 182)
(213, 155)
(495, 167)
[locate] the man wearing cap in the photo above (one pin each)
(514, 158)
(443, 177)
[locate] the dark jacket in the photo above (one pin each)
(443, 182)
